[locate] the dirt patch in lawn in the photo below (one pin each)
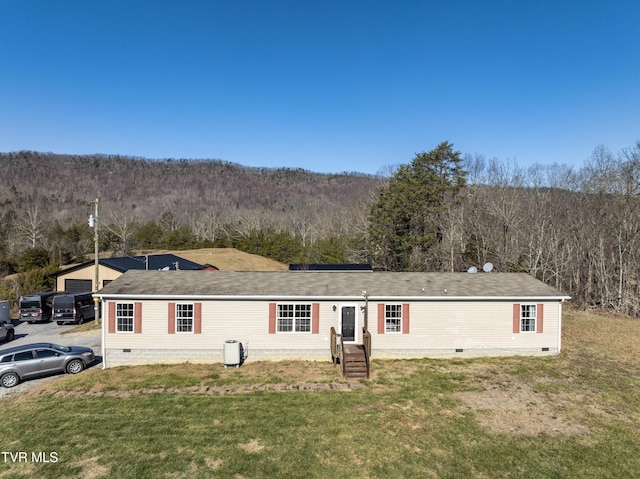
(517, 409)
(252, 447)
(90, 468)
(516, 404)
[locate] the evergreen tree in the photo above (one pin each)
(149, 235)
(403, 221)
(32, 258)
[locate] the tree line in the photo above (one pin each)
(576, 229)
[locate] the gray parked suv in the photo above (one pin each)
(41, 359)
(6, 332)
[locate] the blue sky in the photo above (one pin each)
(324, 85)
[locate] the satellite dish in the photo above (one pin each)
(472, 270)
(487, 268)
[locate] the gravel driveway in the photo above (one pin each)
(50, 333)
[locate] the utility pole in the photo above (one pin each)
(93, 223)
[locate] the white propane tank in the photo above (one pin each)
(232, 356)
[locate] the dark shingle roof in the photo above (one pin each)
(156, 262)
(318, 284)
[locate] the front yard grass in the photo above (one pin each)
(572, 415)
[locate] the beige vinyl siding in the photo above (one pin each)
(433, 325)
(437, 329)
(104, 273)
(221, 321)
(464, 325)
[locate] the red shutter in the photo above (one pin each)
(172, 318)
(272, 318)
(315, 318)
(197, 318)
(539, 318)
(381, 318)
(137, 318)
(405, 319)
(112, 317)
(516, 318)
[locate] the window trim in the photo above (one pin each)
(133, 318)
(294, 319)
(533, 327)
(399, 319)
(193, 318)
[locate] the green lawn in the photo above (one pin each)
(572, 415)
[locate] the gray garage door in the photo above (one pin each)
(78, 285)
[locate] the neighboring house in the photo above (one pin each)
(80, 278)
(178, 316)
(210, 267)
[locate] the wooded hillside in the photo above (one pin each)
(146, 189)
(46, 199)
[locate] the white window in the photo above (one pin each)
(294, 318)
(184, 318)
(528, 318)
(124, 318)
(393, 318)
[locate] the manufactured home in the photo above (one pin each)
(178, 316)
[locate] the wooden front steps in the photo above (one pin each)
(355, 362)
(354, 359)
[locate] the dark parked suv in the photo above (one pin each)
(41, 359)
(73, 308)
(36, 308)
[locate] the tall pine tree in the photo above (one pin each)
(403, 222)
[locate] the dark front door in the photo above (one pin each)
(349, 323)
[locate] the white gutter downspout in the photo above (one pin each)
(104, 350)
(560, 325)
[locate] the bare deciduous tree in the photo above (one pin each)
(30, 225)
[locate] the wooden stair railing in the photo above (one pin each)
(366, 343)
(337, 349)
(334, 346)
